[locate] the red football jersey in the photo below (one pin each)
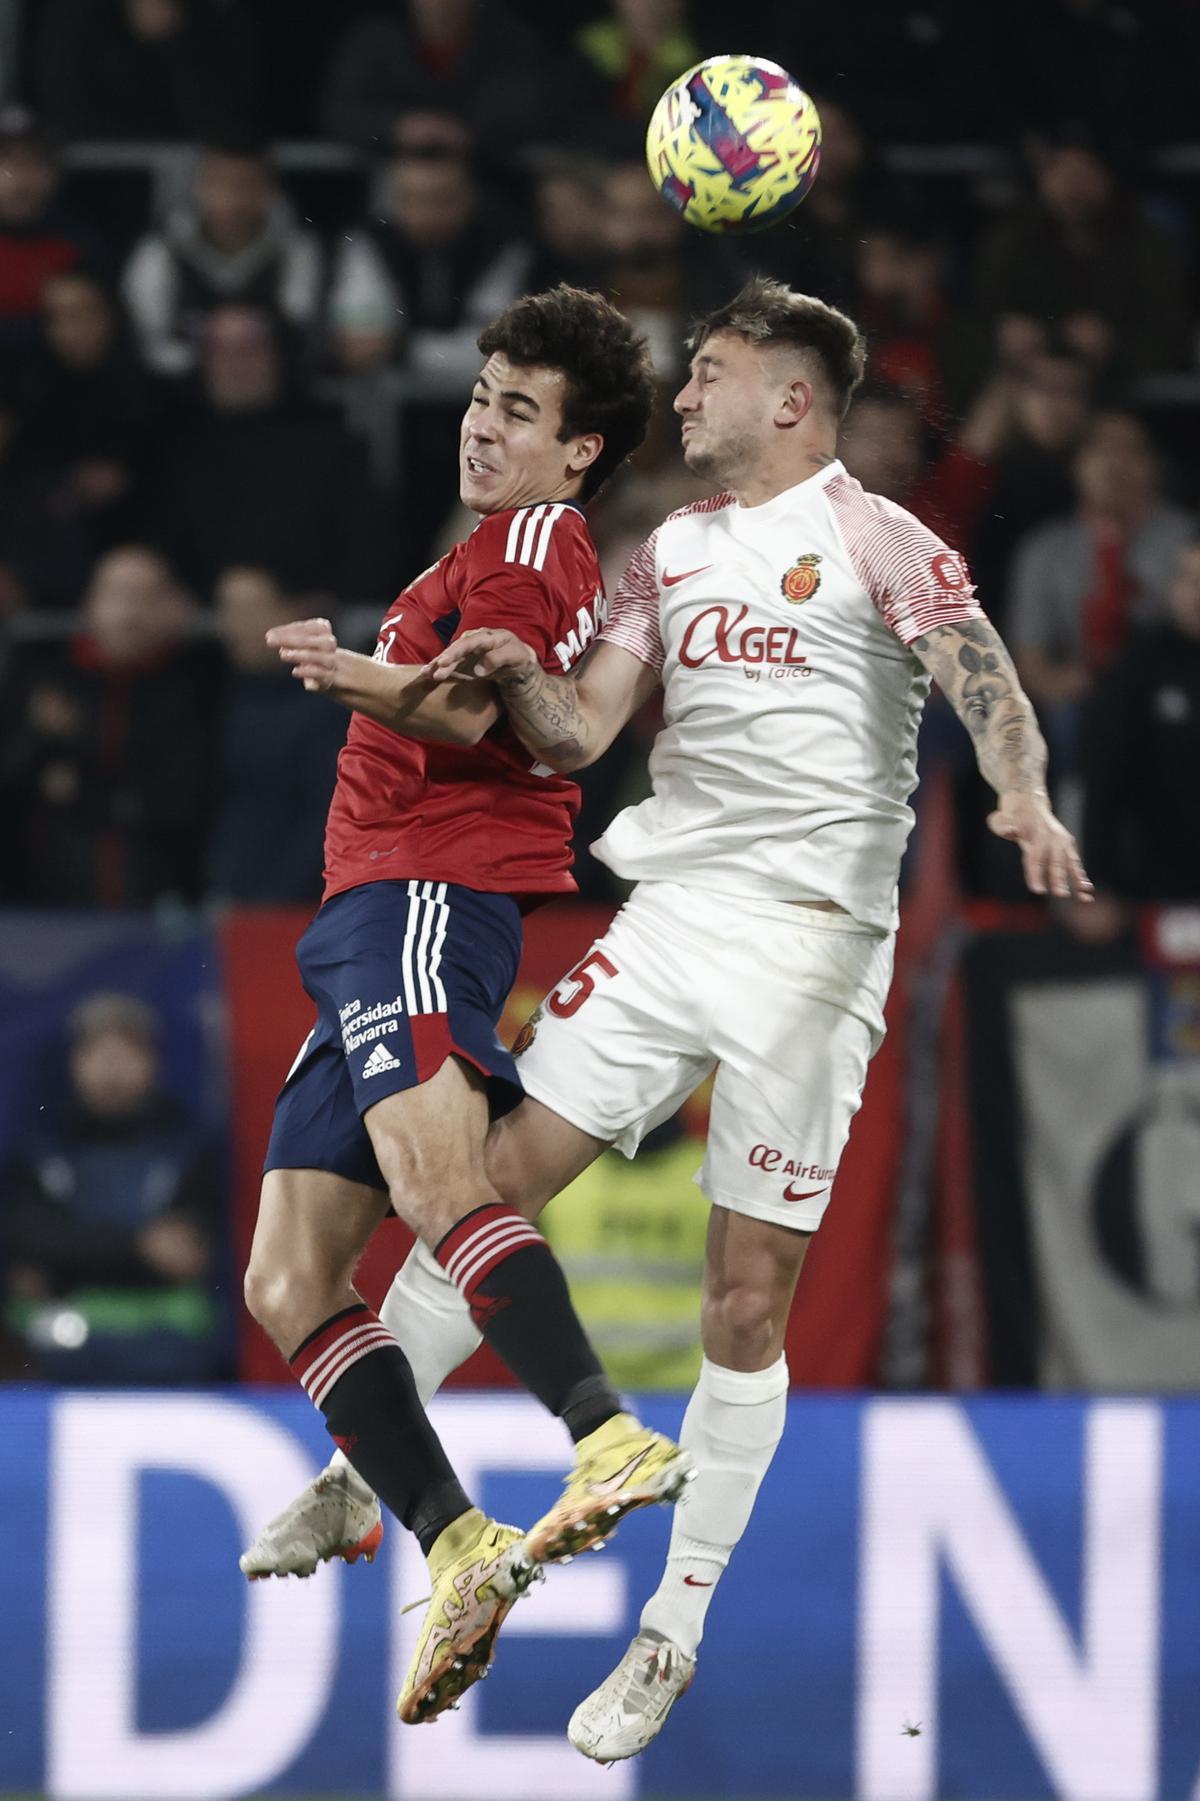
(487, 815)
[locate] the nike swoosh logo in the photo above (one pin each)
(614, 1484)
(810, 1195)
(692, 1583)
(685, 575)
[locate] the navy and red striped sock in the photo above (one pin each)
(519, 1299)
(355, 1372)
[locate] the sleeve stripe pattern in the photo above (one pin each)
(633, 622)
(529, 534)
(915, 581)
(712, 503)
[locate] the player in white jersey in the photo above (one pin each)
(794, 622)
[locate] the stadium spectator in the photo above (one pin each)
(419, 285)
(235, 241)
(111, 1216)
(1048, 400)
(883, 445)
(568, 228)
(44, 561)
(882, 442)
(278, 753)
(815, 249)
(473, 63)
(1141, 752)
(146, 69)
(415, 289)
(1039, 412)
(1006, 471)
(660, 273)
(630, 54)
(106, 759)
(91, 409)
(38, 239)
(1082, 259)
(1081, 582)
(258, 474)
(647, 271)
(901, 306)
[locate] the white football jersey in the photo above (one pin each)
(792, 701)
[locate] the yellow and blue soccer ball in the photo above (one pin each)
(734, 144)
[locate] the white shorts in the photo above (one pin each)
(785, 1003)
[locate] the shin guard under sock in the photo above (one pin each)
(519, 1300)
(354, 1371)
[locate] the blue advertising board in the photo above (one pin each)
(992, 1599)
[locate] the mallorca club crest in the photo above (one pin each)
(802, 579)
(527, 1033)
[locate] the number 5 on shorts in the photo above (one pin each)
(578, 983)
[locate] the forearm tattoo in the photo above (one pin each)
(545, 713)
(972, 667)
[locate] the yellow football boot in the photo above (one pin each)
(479, 1568)
(620, 1466)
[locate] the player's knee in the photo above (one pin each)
(420, 1208)
(283, 1302)
(741, 1325)
(261, 1289)
(431, 1212)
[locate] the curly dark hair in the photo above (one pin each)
(768, 312)
(609, 375)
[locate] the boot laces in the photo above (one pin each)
(661, 1666)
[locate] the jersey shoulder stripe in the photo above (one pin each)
(915, 581)
(712, 503)
(529, 533)
(633, 621)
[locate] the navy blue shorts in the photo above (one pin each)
(402, 974)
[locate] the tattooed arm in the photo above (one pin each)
(971, 666)
(566, 721)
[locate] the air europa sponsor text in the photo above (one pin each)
(765, 1156)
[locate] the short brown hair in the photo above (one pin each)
(609, 375)
(768, 312)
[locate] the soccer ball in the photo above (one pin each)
(734, 144)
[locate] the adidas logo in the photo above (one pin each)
(379, 1060)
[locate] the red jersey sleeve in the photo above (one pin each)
(913, 577)
(530, 572)
(633, 621)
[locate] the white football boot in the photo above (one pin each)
(630, 1707)
(337, 1515)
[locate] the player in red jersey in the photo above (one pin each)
(441, 831)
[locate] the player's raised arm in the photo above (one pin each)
(567, 721)
(971, 665)
(401, 696)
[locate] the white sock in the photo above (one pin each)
(733, 1423)
(425, 1312)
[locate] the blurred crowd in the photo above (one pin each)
(230, 378)
(113, 1242)
(245, 252)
